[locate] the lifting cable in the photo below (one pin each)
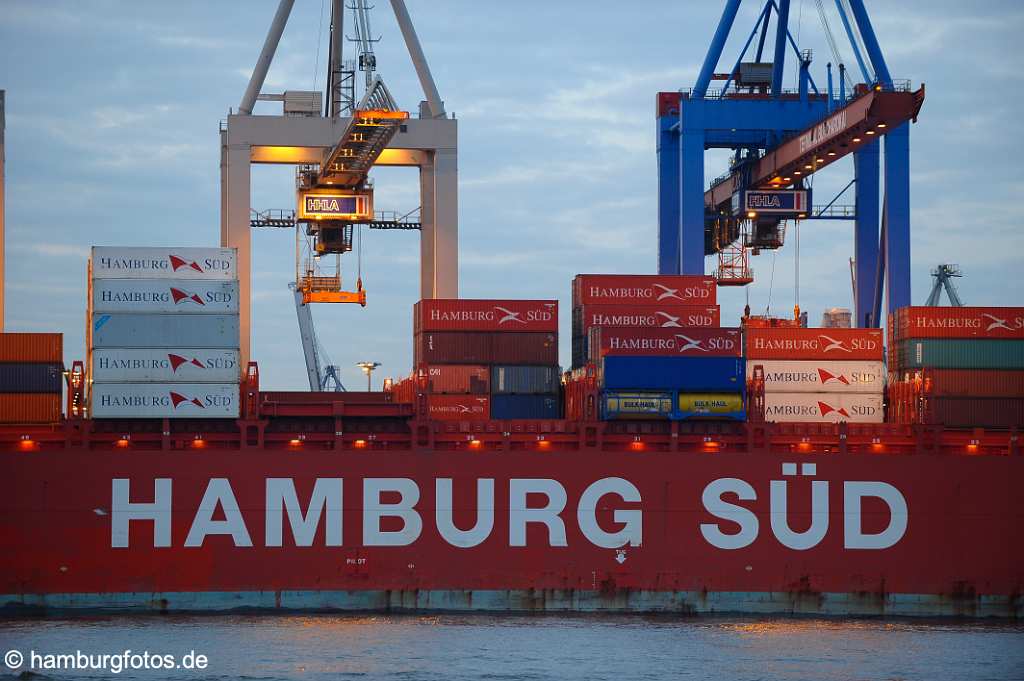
(319, 35)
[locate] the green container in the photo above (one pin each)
(960, 354)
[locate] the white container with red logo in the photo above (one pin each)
(165, 296)
(820, 376)
(164, 400)
(795, 407)
(109, 262)
(164, 365)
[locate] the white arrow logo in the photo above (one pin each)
(690, 344)
(667, 292)
(620, 556)
(997, 323)
(510, 316)
(670, 320)
(834, 344)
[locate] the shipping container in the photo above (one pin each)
(31, 347)
(164, 331)
(973, 412)
(960, 354)
(643, 289)
(525, 379)
(822, 407)
(164, 400)
(176, 365)
(457, 379)
(108, 262)
(474, 347)
(722, 404)
(685, 342)
(967, 382)
(690, 374)
(831, 344)
(632, 405)
(450, 314)
(821, 376)
(35, 377)
(459, 407)
(959, 322)
(638, 316)
(164, 296)
(509, 407)
(30, 407)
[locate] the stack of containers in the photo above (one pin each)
(163, 333)
(488, 359)
(31, 377)
(967, 361)
(819, 375)
(639, 301)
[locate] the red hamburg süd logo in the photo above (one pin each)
(178, 398)
(177, 263)
(178, 360)
(179, 296)
(828, 409)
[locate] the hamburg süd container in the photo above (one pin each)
(942, 353)
(30, 407)
(969, 382)
(977, 412)
(462, 314)
(959, 322)
(31, 347)
(524, 380)
(476, 347)
(167, 365)
(823, 407)
(633, 405)
(164, 331)
(109, 262)
(164, 400)
(817, 344)
(164, 296)
(724, 405)
(688, 374)
(459, 407)
(35, 377)
(652, 316)
(510, 407)
(643, 289)
(685, 342)
(808, 376)
(457, 379)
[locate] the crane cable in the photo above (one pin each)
(319, 35)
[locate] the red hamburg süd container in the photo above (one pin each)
(837, 344)
(31, 347)
(643, 289)
(671, 342)
(457, 379)
(445, 314)
(459, 407)
(637, 316)
(959, 322)
(970, 382)
(975, 412)
(470, 347)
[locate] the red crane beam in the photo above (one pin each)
(842, 133)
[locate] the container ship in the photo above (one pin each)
(683, 463)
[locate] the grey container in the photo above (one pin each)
(524, 380)
(942, 353)
(164, 331)
(34, 377)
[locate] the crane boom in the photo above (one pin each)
(308, 335)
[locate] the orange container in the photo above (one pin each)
(30, 407)
(31, 347)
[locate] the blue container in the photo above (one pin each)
(686, 374)
(525, 380)
(525, 407)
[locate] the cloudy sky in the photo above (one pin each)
(113, 111)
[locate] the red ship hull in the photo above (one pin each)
(961, 551)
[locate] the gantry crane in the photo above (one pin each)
(779, 139)
(944, 275)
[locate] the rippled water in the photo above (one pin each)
(452, 647)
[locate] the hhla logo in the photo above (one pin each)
(179, 399)
(178, 360)
(827, 409)
(825, 377)
(178, 263)
(181, 296)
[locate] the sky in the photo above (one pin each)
(112, 138)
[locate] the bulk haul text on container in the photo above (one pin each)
(731, 524)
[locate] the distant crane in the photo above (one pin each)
(943, 275)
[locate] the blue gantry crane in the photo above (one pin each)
(779, 139)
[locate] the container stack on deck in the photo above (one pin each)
(486, 359)
(163, 333)
(31, 377)
(819, 375)
(959, 367)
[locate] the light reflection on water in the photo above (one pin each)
(591, 647)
